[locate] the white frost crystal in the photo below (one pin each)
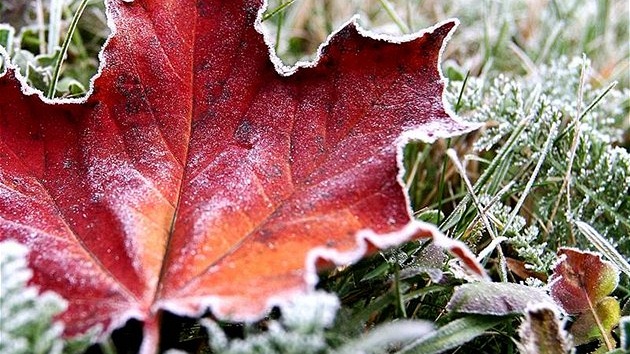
(26, 324)
(316, 310)
(299, 330)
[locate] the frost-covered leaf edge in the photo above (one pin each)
(281, 68)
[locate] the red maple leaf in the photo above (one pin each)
(200, 174)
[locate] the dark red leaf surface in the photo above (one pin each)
(199, 173)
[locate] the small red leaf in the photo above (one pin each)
(199, 174)
(581, 279)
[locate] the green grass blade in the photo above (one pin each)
(623, 219)
(532, 179)
(452, 335)
(7, 32)
(502, 262)
(54, 24)
(624, 328)
(375, 305)
(389, 8)
(6, 41)
(604, 246)
(442, 182)
(489, 172)
(380, 338)
(277, 10)
(590, 107)
(64, 49)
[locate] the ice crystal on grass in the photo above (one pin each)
(299, 330)
(551, 92)
(603, 181)
(522, 238)
(26, 316)
(599, 180)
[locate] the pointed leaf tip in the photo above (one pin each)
(543, 332)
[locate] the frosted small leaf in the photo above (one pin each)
(495, 298)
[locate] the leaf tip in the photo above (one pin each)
(542, 331)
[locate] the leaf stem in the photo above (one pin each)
(598, 321)
(64, 49)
